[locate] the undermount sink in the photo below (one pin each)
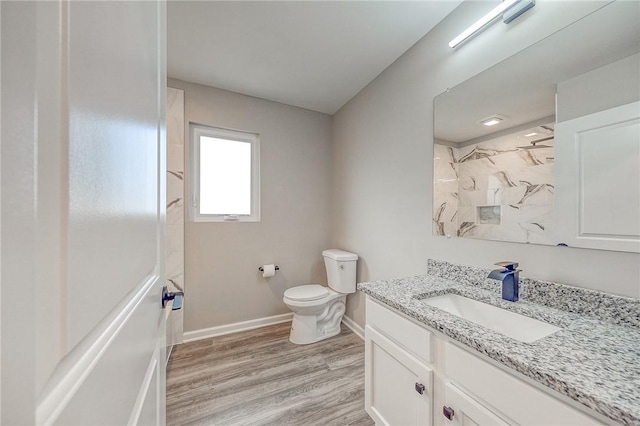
(509, 323)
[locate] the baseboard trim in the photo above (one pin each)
(205, 333)
(353, 326)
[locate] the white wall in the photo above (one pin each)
(383, 163)
(221, 259)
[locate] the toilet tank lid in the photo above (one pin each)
(341, 255)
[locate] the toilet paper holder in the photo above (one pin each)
(261, 269)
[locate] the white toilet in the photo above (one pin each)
(318, 310)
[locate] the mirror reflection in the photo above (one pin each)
(499, 159)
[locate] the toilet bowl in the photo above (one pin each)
(318, 310)
(314, 318)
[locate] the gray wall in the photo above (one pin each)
(221, 259)
(383, 163)
(604, 88)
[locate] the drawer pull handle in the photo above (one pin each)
(420, 388)
(448, 412)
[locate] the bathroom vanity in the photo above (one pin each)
(425, 365)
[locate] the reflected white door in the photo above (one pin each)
(82, 212)
(597, 193)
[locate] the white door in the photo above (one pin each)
(82, 212)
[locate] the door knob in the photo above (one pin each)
(448, 412)
(420, 388)
(177, 297)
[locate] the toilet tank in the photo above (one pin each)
(341, 270)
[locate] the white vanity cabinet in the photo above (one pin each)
(398, 381)
(461, 388)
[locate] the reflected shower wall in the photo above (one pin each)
(499, 189)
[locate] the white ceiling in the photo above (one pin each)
(311, 54)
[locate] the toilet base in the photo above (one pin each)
(307, 329)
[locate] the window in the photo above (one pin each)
(225, 172)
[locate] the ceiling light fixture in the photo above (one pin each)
(491, 121)
(509, 9)
(528, 135)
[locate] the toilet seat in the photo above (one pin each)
(304, 293)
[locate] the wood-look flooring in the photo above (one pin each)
(258, 377)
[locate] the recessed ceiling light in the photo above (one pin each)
(528, 135)
(491, 121)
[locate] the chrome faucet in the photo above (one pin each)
(509, 278)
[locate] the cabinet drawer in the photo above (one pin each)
(411, 336)
(517, 400)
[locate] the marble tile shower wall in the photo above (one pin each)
(175, 190)
(494, 190)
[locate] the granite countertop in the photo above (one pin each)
(591, 360)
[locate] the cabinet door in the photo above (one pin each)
(398, 387)
(462, 410)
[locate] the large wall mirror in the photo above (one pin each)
(544, 147)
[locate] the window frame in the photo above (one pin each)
(196, 131)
